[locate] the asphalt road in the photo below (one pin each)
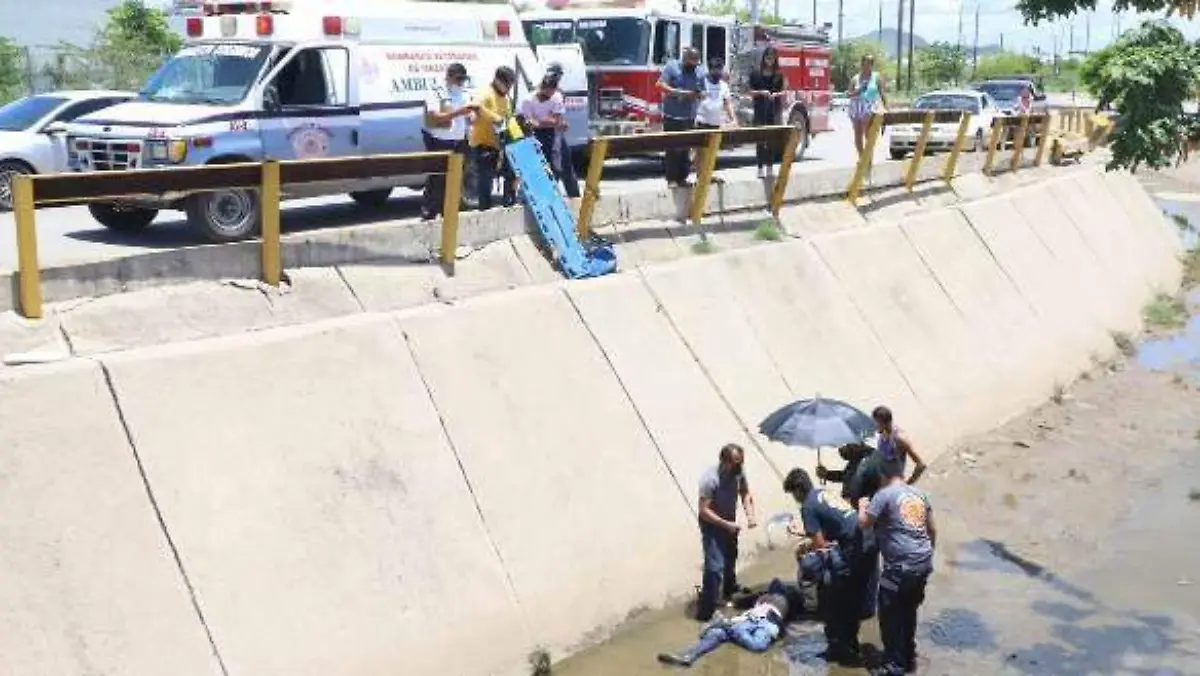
(70, 235)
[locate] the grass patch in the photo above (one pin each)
(1165, 312)
(703, 247)
(1124, 343)
(768, 231)
(1191, 268)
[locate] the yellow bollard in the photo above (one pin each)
(591, 187)
(704, 178)
(919, 152)
(1019, 144)
(779, 190)
(864, 160)
(998, 127)
(269, 198)
(1043, 141)
(28, 275)
(451, 202)
(952, 162)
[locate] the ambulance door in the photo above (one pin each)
(308, 108)
(574, 87)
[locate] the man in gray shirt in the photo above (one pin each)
(903, 522)
(681, 84)
(720, 488)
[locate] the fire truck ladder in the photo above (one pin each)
(544, 199)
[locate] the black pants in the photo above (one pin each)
(764, 153)
(435, 184)
(720, 568)
(901, 593)
(679, 164)
(841, 603)
(558, 154)
(487, 163)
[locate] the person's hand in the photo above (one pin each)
(693, 95)
(804, 547)
(779, 95)
(821, 472)
(795, 528)
(751, 523)
(732, 527)
(862, 503)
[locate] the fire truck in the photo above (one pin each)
(626, 43)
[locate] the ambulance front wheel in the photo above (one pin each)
(120, 218)
(372, 198)
(224, 216)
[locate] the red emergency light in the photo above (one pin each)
(332, 25)
(264, 24)
(503, 29)
(195, 26)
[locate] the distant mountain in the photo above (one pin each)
(888, 40)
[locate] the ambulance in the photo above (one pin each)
(292, 79)
(626, 43)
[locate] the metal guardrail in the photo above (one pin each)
(31, 192)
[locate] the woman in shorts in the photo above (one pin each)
(866, 92)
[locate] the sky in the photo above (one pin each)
(76, 21)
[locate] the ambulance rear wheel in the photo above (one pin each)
(120, 218)
(224, 216)
(372, 198)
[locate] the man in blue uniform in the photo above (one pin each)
(720, 488)
(903, 522)
(829, 520)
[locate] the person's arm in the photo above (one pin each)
(855, 90)
(918, 464)
(869, 510)
(709, 515)
(489, 115)
(665, 80)
(558, 111)
(883, 93)
(812, 528)
(837, 476)
(748, 504)
(436, 117)
(930, 527)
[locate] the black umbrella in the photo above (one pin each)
(817, 422)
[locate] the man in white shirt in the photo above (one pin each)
(446, 112)
(716, 101)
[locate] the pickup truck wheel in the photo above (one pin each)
(9, 171)
(122, 218)
(372, 198)
(224, 216)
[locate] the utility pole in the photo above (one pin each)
(899, 43)
(912, 22)
(814, 13)
(841, 20)
(1087, 35)
(1071, 43)
(879, 35)
(755, 12)
(1002, 42)
(975, 49)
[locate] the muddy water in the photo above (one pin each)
(1070, 544)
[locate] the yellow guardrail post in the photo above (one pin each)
(451, 203)
(269, 198)
(864, 160)
(29, 276)
(952, 162)
(704, 178)
(1090, 132)
(591, 187)
(998, 127)
(1019, 143)
(1043, 141)
(919, 152)
(779, 190)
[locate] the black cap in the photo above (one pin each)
(506, 75)
(456, 69)
(554, 69)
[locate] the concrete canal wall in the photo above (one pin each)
(441, 490)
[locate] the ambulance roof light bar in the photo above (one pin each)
(223, 7)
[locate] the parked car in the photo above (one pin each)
(28, 144)
(903, 138)
(839, 101)
(1007, 92)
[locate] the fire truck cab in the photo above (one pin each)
(626, 43)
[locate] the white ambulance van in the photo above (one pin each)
(292, 79)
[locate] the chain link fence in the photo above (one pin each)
(64, 66)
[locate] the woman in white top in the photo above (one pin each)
(716, 101)
(544, 109)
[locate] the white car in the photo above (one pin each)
(903, 138)
(28, 146)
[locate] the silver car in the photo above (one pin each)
(902, 139)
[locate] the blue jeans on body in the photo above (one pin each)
(753, 635)
(901, 592)
(720, 568)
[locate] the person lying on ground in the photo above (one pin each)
(755, 630)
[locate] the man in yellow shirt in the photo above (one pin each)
(493, 109)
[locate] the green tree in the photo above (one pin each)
(1006, 63)
(11, 82)
(134, 43)
(940, 63)
(1036, 11)
(1147, 74)
(847, 58)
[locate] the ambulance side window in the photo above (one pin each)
(666, 41)
(315, 77)
(698, 38)
(715, 47)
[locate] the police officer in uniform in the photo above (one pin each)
(446, 112)
(828, 520)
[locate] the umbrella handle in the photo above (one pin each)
(819, 464)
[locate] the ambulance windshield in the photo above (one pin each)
(207, 73)
(606, 42)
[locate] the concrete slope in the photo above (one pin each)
(1151, 224)
(686, 416)
(320, 512)
(584, 511)
(1001, 326)
(88, 583)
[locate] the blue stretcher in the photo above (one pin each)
(545, 201)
